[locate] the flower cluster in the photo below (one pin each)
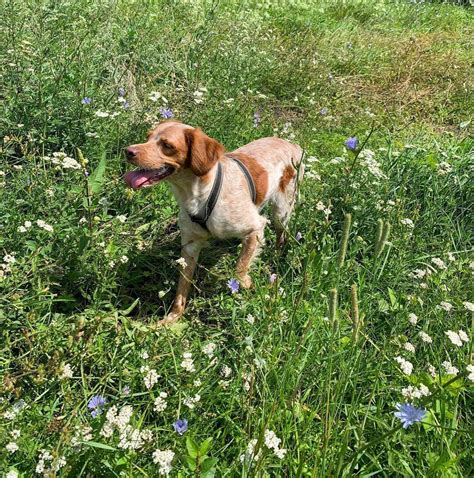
(163, 459)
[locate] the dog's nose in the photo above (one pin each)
(130, 153)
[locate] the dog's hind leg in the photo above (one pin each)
(190, 253)
(283, 201)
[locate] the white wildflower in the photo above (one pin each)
(249, 454)
(407, 222)
(70, 163)
(432, 370)
(15, 434)
(450, 368)
(250, 319)
(144, 355)
(182, 262)
(454, 337)
(124, 259)
(446, 306)
(12, 447)
(412, 392)
(463, 336)
(66, 372)
(9, 259)
(188, 363)
(409, 347)
(469, 306)
(102, 114)
(425, 337)
(470, 369)
(413, 319)
(451, 257)
(163, 458)
(439, 263)
(405, 365)
(122, 218)
(11, 474)
(160, 402)
(444, 168)
(151, 376)
(273, 442)
(226, 371)
(191, 402)
(44, 225)
(209, 349)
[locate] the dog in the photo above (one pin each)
(220, 194)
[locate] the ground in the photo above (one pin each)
(368, 308)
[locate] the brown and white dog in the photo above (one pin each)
(188, 159)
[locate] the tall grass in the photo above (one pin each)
(311, 356)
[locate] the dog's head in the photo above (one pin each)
(170, 148)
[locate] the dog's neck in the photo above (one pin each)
(191, 191)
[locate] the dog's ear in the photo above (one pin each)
(203, 152)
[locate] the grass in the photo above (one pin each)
(87, 294)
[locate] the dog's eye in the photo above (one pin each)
(167, 146)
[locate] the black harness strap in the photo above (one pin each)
(203, 215)
(248, 177)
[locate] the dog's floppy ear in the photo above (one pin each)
(203, 152)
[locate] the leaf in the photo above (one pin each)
(429, 421)
(129, 309)
(97, 177)
(204, 447)
(83, 243)
(192, 447)
(95, 444)
(464, 124)
(393, 298)
(178, 327)
(208, 464)
(191, 462)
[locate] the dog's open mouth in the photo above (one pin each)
(145, 177)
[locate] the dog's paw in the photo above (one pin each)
(169, 319)
(245, 281)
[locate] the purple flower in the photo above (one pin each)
(126, 390)
(86, 100)
(180, 425)
(121, 91)
(273, 278)
(408, 414)
(96, 404)
(166, 113)
(233, 285)
(256, 119)
(351, 143)
(299, 236)
(126, 105)
(323, 111)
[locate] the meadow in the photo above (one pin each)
(369, 307)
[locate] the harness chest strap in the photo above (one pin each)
(203, 215)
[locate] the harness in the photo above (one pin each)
(206, 210)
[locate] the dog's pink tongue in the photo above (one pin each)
(136, 179)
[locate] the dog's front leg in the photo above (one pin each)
(190, 254)
(251, 245)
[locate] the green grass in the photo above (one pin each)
(88, 294)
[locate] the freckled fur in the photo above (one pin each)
(271, 162)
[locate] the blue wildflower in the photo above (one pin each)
(180, 425)
(351, 143)
(166, 113)
(126, 105)
(121, 91)
(86, 100)
(408, 414)
(233, 285)
(96, 404)
(323, 111)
